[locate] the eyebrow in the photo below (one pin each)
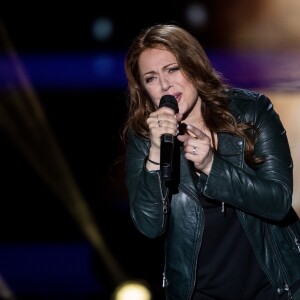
(165, 67)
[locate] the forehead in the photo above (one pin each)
(156, 57)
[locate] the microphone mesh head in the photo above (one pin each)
(169, 101)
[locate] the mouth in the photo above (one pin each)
(177, 96)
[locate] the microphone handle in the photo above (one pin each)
(166, 156)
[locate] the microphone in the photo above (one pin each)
(167, 141)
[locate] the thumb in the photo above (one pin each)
(179, 117)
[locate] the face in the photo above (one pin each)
(161, 75)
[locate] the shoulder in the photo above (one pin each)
(240, 96)
(245, 104)
(236, 92)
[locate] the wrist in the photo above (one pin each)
(153, 162)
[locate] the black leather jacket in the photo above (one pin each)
(262, 198)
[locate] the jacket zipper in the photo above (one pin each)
(164, 283)
(286, 287)
(294, 238)
(164, 201)
(192, 196)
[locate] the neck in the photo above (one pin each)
(194, 117)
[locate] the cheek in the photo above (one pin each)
(156, 102)
(153, 95)
(192, 97)
(193, 91)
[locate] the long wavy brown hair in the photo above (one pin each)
(196, 66)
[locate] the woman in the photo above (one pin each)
(230, 230)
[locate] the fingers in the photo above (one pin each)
(192, 134)
(195, 132)
(163, 121)
(197, 148)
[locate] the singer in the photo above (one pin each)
(230, 230)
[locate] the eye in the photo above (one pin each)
(174, 69)
(149, 79)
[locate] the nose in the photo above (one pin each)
(165, 84)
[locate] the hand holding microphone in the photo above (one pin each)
(167, 141)
(163, 129)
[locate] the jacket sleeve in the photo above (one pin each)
(147, 194)
(267, 190)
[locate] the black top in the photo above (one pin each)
(227, 266)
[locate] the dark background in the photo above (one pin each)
(43, 252)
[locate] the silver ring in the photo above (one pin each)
(194, 150)
(158, 121)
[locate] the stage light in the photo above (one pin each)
(196, 15)
(132, 290)
(102, 29)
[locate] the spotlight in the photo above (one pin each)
(132, 290)
(196, 15)
(102, 29)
